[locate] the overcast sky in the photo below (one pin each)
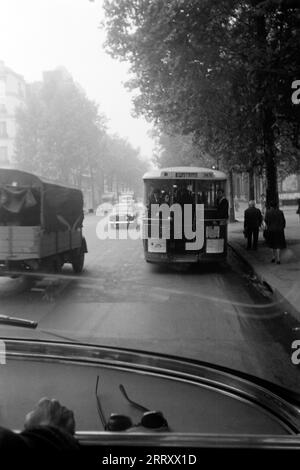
(37, 35)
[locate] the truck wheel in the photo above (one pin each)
(78, 262)
(58, 264)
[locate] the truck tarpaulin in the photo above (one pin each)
(26, 199)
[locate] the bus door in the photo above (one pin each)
(184, 196)
(215, 228)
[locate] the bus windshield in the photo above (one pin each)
(158, 191)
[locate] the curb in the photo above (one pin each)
(250, 266)
(294, 312)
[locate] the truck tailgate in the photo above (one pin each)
(19, 242)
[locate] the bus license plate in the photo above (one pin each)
(215, 246)
(156, 245)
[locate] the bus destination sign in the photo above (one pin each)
(194, 175)
(186, 175)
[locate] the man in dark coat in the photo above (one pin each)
(222, 205)
(252, 221)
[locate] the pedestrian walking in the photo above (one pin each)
(252, 222)
(275, 225)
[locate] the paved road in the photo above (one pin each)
(213, 313)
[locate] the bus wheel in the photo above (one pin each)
(78, 261)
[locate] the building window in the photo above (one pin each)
(3, 129)
(20, 90)
(3, 155)
(2, 89)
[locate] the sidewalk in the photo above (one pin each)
(283, 278)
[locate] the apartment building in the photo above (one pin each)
(12, 94)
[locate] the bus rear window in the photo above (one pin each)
(207, 192)
(183, 192)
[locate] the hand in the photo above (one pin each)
(50, 413)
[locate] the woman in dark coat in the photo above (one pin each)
(275, 225)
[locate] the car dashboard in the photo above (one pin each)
(206, 407)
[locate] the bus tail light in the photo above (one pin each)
(212, 231)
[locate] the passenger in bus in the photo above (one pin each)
(184, 196)
(166, 199)
(155, 197)
(201, 198)
(222, 204)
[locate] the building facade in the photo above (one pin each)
(241, 186)
(12, 94)
(288, 187)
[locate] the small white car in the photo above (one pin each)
(104, 209)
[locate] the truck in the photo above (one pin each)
(40, 224)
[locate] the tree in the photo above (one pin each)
(220, 69)
(59, 131)
(122, 163)
(62, 135)
(178, 150)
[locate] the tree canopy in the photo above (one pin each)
(218, 69)
(62, 135)
(59, 130)
(180, 150)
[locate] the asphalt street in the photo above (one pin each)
(215, 313)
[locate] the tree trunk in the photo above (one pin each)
(251, 184)
(100, 184)
(267, 115)
(298, 182)
(231, 196)
(93, 190)
(270, 159)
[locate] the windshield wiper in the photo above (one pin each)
(14, 321)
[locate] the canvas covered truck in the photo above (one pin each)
(40, 224)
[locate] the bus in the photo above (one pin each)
(182, 221)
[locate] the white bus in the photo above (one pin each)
(183, 220)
